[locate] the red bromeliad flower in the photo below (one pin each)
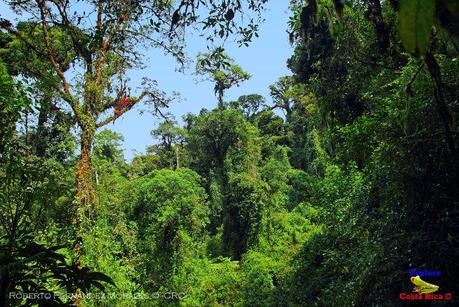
(123, 103)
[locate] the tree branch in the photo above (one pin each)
(106, 43)
(64, 94)
(52, 57)
(99, 15)
(132, 102)
(8, 27)
(74, 35)
(408, 89)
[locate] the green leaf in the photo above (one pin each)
(98, 276)
(416, 18)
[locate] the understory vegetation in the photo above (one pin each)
(324, 194)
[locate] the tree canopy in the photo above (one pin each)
(332, 191)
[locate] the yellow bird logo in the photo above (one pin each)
(422, 286)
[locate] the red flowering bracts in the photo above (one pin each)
(125, 102)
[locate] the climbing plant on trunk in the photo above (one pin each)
(103, 40)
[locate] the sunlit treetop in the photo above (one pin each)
(104, 39)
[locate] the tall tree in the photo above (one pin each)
(221, 69)
(250, 105)
(170, 137)
(104, 39)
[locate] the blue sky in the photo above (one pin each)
(265, 59)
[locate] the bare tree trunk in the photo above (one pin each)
(177, 158)
(221, 105)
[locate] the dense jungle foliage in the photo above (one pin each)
(325, 194)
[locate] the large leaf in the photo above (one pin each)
(98, 276)
(416, 18)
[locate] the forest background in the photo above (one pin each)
(325, 193)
